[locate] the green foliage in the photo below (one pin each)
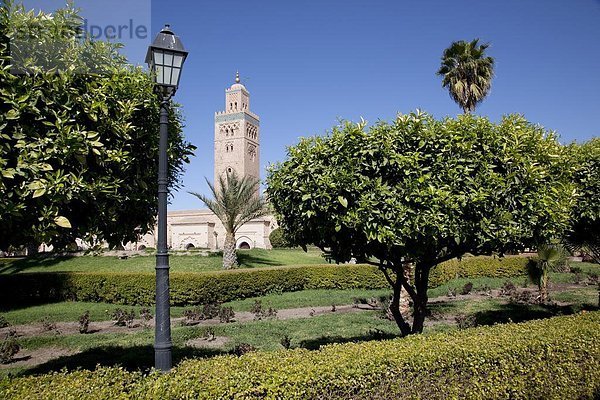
(555, 358)
(422, 191)
(79, 135)
(277, 239)
(467, 73)
(223, 286)
(584, 232)
(478, 267)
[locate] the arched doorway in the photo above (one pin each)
(190, 246)
(244, 246)
(141, 247)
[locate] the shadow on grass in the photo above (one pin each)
(249, 260)
(374, 334)
(37, 261)
(130, 358)
(515, 312)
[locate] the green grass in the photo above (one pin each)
(70, 311)
(254, 258)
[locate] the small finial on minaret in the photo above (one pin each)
(237, 77)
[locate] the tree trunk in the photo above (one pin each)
(395, 306)
(544, 287)
(420, 302)
(229, 256)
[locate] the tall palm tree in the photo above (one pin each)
(235, 202)
(467, 73)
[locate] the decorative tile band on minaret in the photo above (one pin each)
(237, 134)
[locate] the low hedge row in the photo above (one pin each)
(556, 358)
(222, 286)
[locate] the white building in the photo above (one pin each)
(237, 148)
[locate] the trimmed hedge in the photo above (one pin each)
(222, 286)
(556, 358)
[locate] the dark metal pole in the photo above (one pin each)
(162, 337)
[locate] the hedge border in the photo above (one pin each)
(222, 286)
(556, 358)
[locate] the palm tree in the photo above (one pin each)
(235, 203)
(467, 73)
(548, 256)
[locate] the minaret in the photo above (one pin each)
(236, 134)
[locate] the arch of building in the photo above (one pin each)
(188, 243)
(244, 242)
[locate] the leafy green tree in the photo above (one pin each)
(78, 135)
(584, 231)
(234, 202)
(418, 192)
(467, 73)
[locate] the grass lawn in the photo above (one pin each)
(254, 258)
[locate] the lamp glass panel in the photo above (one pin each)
(167, 74)
(177, 60)
(158, 56)
(168, 59)
(175, 76)
(159, 75)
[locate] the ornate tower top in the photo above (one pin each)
(237, 132)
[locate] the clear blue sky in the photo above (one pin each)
(308, 63)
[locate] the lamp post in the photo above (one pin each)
(165, 58)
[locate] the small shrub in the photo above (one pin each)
(451, 292)
(486, 290)
(465, 321)
(123, 318)
(593, 279)
(243, 348)
(3, 322)
(226, 314)
(210, 310)
(9, 346)
(524, 297)
(84, 322)
(467, 288)
(277, 239)
(257, 309)
(48, 325)
(286, 342)
(146, 316)
(208, 333)
(260, 312)
(192, 316)
(333, 308)
(508, 289)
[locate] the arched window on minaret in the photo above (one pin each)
(231, 106)
(236, 105)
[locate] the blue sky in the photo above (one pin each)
(308, 63)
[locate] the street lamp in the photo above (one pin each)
(165, 58)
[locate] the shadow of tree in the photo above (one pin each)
(37, 261)
(249, 260)
(375, 334)
(131, 358)
(515, 312)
